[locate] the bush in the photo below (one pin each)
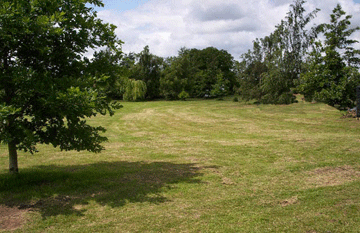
(183, 95)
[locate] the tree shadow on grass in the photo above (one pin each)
(59, 190)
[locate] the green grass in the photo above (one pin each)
(198, 166)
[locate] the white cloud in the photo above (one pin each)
(168, 25)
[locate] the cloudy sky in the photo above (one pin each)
(168, 25)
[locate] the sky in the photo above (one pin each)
(168, 25)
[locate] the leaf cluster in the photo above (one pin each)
(47, 86)
(270, 71)
(333, 64)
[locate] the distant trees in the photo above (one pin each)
(148, 69)
(292, 59)
(270, 71)
(281, 64)
(221, 86)
(210, 63)
(197, 72)
(193, 73)
(105, 66)
(250, 72)
(176, 76)
(332, 72)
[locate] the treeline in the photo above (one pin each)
(316, 61)
(193, 73)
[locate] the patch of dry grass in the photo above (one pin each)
(331, 176)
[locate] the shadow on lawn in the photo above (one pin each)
(60, 190)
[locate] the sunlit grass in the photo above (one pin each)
(198, 166)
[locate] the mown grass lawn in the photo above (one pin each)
(195, 166)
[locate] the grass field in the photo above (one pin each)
(195, 166)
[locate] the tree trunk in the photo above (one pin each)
(13, 163)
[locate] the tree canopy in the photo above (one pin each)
(48, 87)
(332, 72)
(270, 71)
(148, 69)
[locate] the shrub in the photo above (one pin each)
(183, 95)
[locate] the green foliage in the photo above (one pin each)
(175, 77)
(196, 72)
(270, 72)
(208, 63)
(135, 90)
(333, 67)
(46, 78)
(276, 88)
(183, 95)
(148, 69)
(250, 71)
(108, 62)
(220, 88)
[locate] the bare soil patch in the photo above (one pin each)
(331, 176)
(11, 218)
(290, 201)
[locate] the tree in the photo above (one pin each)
(176, 75)
(47, 85)
(294, 38)
(220, 88)
(272, 69)
(207, 64)
(289, 45)
(135, 90)
(333, 65)
(148, 69)
(250, 71)
(109, 63)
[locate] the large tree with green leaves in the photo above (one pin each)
(333, 66)
(249, 72)
(112, 64)
(47, 86)
(148, 69)
(272, 69)
(208, 63)
(177, 75)
(198, 73)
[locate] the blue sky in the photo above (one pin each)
(122, 5)
(168, 25)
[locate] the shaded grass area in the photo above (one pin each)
(113, 184)
(198, 166)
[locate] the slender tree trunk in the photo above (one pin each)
(13, 162)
